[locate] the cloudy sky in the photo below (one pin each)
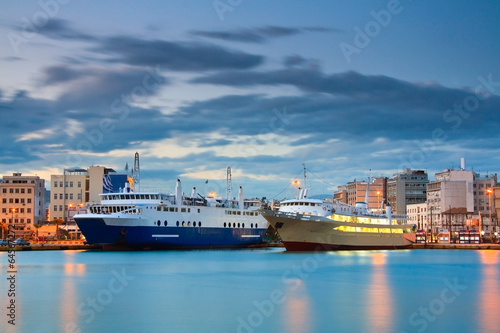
(350, 88)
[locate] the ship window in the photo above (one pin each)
(189, 210)
(122, 197)
(194, 224)
(238, 212)
(251, 225)
(158, 208)
(183, 210)
(177, 223)
(183, 223)
(224, 224)
(159, 222)
(189, 223)
(243, 225)
(199, 224)
(165, 209)
(234, 225)
(256, 225)
(198, 210)
(165, 223)
(238, 225)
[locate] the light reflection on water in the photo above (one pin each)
(489, 299)
(217, 291)
(379, 300)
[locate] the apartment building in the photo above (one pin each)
(406, 188)
(417, 215)
(22, 203)
(77, 186)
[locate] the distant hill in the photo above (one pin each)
(320, 196)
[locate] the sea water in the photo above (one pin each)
(260, 290)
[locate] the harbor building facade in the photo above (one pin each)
(77, 187)
(417, 215)
(22, 203)
(355, 191)
(406, 188)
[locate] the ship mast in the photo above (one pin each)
(229, 185)
(136, 173)
(304, 165)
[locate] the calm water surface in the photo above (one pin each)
(254, 291)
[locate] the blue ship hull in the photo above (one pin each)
(96, 231)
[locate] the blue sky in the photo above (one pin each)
(351, 89)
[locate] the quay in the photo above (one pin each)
(52, 245)
(482, 246)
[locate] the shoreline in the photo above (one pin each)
(81, 246)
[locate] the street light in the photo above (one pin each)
(295, 183)
(489, 191)
(378, 201)
(13, 210)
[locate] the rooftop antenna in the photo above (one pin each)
(136, 173)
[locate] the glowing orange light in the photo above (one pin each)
(489, 190)
(212, 195)
(295, 182)
(13, 210)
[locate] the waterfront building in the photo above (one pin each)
(482, 198)
(341, 194)
(417, 215)
(406, 188)
(22, 203)
(450, 199)
(77, 187)
(355, 191)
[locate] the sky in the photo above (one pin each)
(351, 90)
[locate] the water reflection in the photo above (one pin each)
(297, 316)
(69, 298)
(379, 302)
(489, 297)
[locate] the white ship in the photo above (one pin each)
(159, 220)
(321, 225)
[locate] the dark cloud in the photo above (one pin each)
(61, 29)
(58, 74)
(369, 88)
(258, 35)
(176, 56)
(12, 58)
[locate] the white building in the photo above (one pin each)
(417, 215)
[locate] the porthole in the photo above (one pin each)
(251, 225)
(189, 223)
(224, 224)
(177, 223)
(183, 223)
(158, 223)
(256, 225)
(238, 225)
(234, 225)
(243, 225)
(199, 224)
(165, 223)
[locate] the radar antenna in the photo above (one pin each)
(136, 174)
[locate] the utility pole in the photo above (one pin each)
(431, 207)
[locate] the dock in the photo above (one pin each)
(452, 246)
